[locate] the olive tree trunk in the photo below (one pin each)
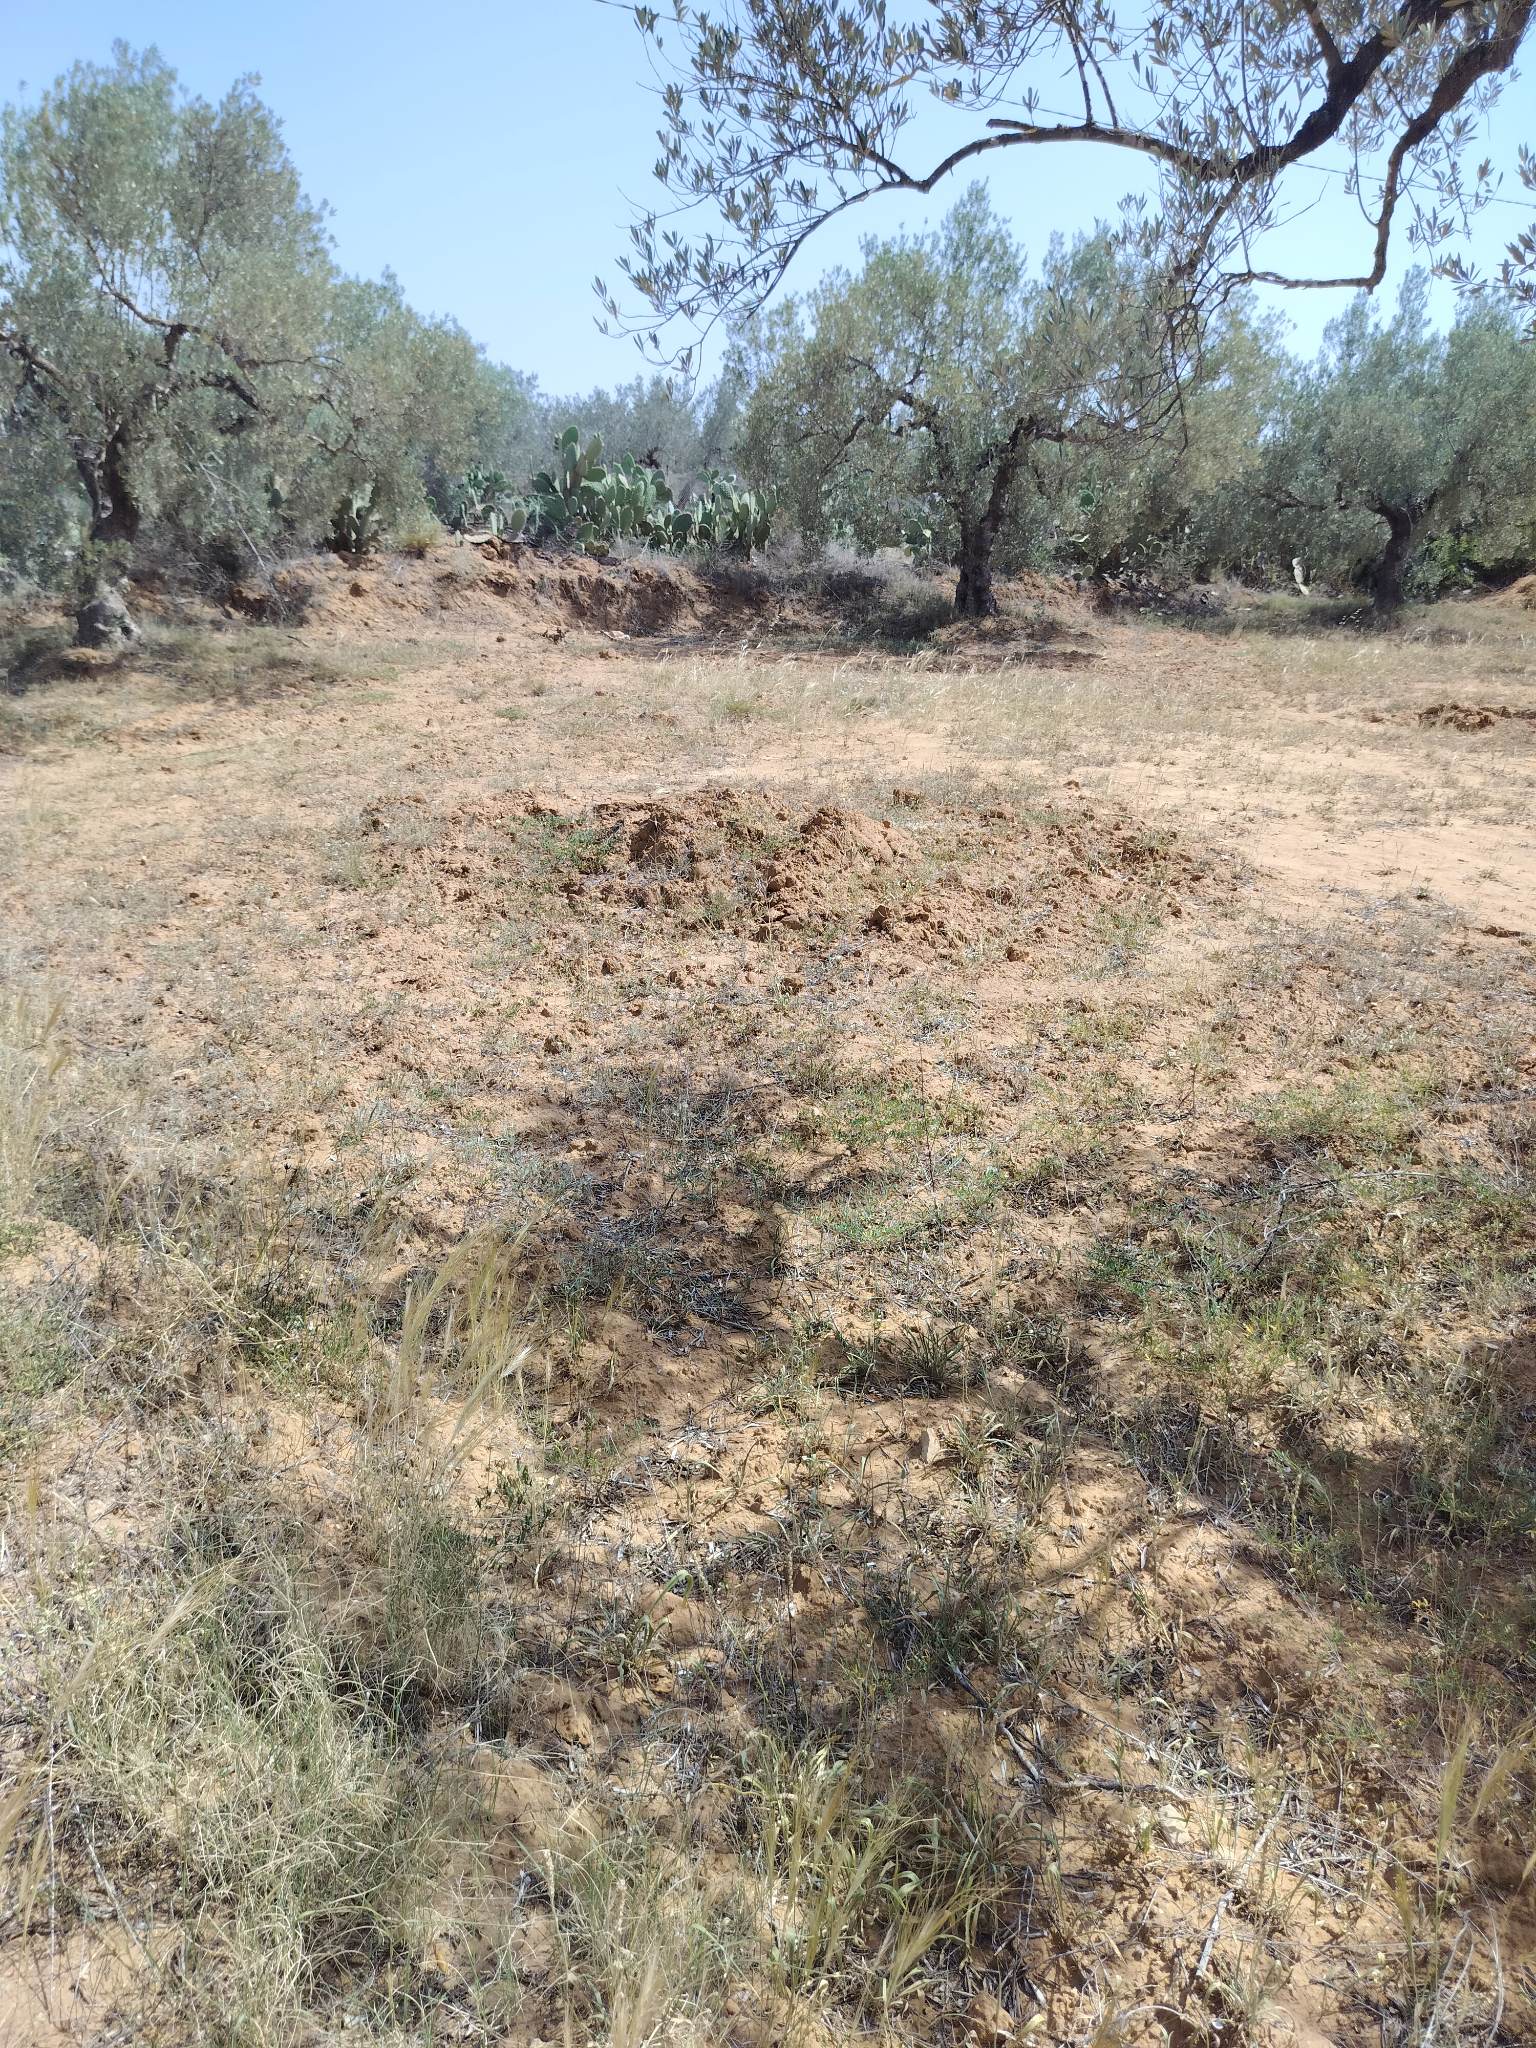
(974, 596)
(103, 619)
(1393, 563)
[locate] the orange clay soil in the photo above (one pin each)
(992, 1180)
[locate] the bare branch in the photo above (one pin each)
(780, 115)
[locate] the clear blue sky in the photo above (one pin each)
(487, 154)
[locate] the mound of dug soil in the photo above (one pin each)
(738, 862)
(1474, 717)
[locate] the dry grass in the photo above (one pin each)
(638, 1417)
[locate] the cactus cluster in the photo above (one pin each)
(917, 535)
(581, 500)
(355, 524)
(572, 499)
(477, 502)
(729, 517)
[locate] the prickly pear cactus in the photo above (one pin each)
(355, 524)
(580, 500)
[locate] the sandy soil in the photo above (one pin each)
(807, 1031)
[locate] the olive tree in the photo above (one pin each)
(925, 385)
(389, 403)
(161, 267)
(1168, 505)
(1399, 435)
(397, 399)
(183, 350)
(778, 115)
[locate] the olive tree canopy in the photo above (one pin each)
(158, 255)
(1399, 436)
(927, 383)
(185, 376)
(779, 114)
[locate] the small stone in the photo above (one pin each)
(1172, 1825)
(988, 2022)
(104, 621)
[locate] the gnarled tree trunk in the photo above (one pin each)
(103, 473)
(1392, 566)
(104, 619)
(974, 595)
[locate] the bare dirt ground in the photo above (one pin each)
(712, 1335)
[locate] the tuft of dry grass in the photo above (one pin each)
(33, 1054)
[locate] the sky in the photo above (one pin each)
(492, 157)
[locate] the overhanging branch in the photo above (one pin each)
(784, 117)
